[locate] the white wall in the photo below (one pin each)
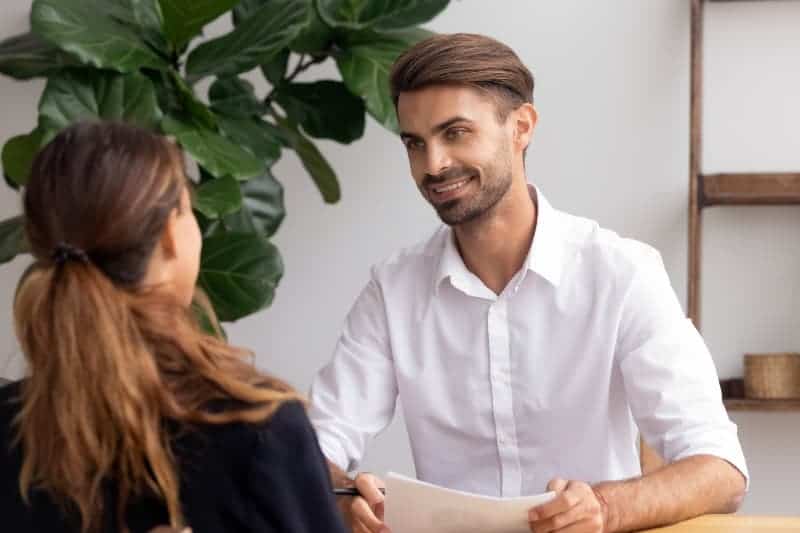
(612, 144)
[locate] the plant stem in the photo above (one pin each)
(298, 69)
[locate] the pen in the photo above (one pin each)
(352, 491)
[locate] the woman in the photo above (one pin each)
(131, 416)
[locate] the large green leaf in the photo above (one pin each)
(219, 197)
(326, 109)
(177, 98)
(189, 102)
(28, 56)
(314, 162)
(18, 155)
(143, 16)
(263, 201)
(253, 42)
(148, 15)
(239, 272)
(86, 29)
(12, 238)
(314, 37)
(84, 94)
(378, 14)
(214, 152)
(365, 66)
(244, 9)
(252, 134)
(234, 97)
(166, 93)
(184, 19)
(262, 210)
(275, 69)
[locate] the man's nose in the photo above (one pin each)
(438, 160)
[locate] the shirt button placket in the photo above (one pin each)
(500, 378)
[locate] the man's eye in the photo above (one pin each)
(414, 144)
(455, 133)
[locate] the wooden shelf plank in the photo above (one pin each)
(750, 404)
(778, 188)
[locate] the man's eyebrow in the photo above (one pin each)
(449, 122)
(437, 128)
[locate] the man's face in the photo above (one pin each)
(459, 152)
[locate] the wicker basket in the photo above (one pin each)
(772, 375)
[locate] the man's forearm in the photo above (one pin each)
(690, 487)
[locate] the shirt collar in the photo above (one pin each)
(547, 254)
(545, 257)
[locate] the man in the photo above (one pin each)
(529, 347)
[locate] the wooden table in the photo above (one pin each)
(734, 524)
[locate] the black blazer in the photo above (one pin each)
(268, 477)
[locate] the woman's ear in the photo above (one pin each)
(168, 244)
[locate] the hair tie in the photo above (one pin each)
(66, 252)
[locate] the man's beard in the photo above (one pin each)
(462, 210)
(471, 207)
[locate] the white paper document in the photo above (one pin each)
(413, 506)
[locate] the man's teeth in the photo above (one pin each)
(450, 187)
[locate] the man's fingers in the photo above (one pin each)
(369, 487)
(378, 509)
(561, 522)
(364, 514)
(563, 501)
(557, 485)
(575, 509)
(359, 527)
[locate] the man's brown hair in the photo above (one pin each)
(465, 59)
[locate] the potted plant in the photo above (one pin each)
(137, 61)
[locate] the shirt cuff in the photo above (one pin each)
(733, 456)
(333, 451)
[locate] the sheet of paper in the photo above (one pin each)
(416, 507)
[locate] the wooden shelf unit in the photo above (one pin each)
(708, 190)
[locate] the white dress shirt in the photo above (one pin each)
(550, 378)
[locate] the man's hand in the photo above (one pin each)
(366, 511)
(576, 508)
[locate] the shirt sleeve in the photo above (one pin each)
(288, 478)
(670, 378)
(353, 397)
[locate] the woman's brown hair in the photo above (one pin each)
(464, 59)
(113, 363)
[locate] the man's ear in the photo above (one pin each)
(525, 118)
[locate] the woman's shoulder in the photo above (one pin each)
(10, 395)
(287, 428)
(290, 416)
(9, 389)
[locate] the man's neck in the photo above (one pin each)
(494, 247)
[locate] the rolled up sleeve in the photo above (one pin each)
(669, 375)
